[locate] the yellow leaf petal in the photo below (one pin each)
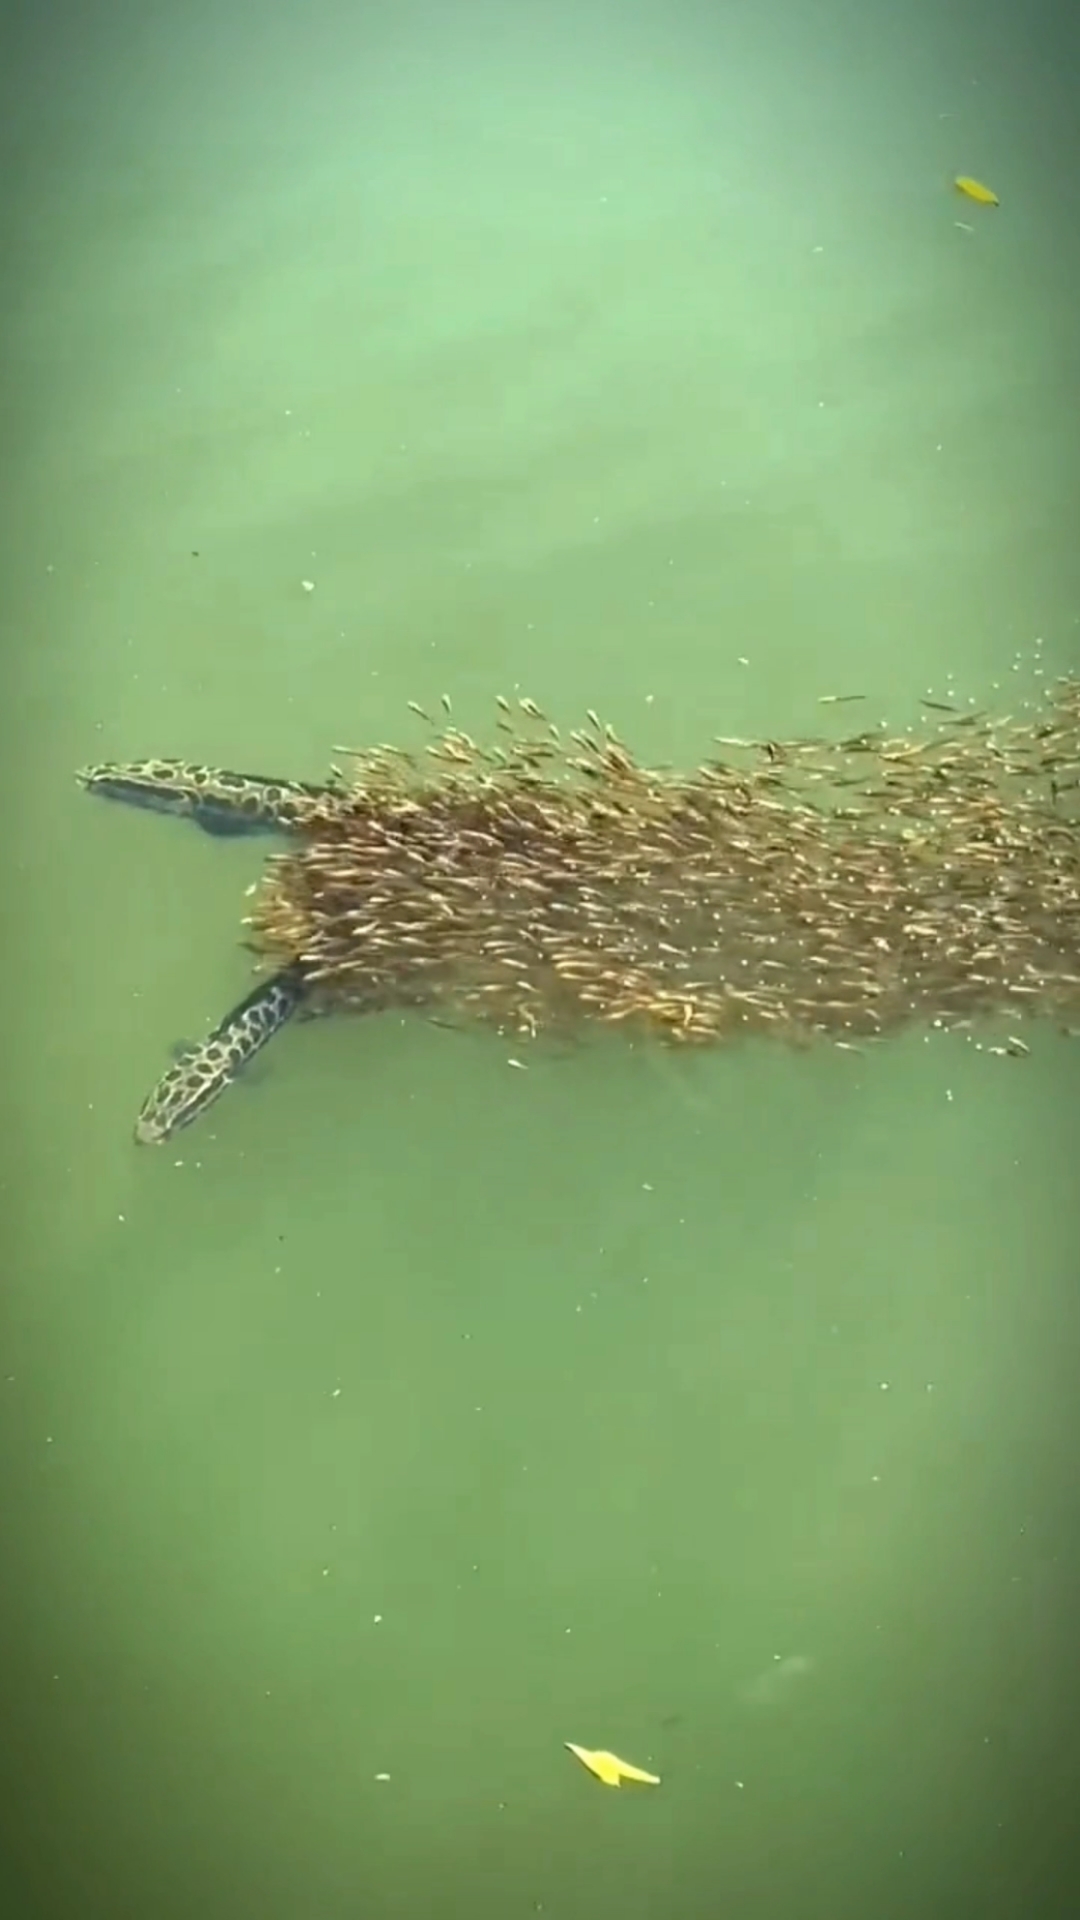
(609, 1768)
(975, 190)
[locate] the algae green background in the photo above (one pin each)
(415, 1415)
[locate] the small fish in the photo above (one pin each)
(975, 190)
(609, 1768)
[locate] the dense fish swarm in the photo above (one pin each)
(792, 887)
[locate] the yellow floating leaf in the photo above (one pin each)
(975, 190)
(609, 1768)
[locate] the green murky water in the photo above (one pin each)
(416, 1415)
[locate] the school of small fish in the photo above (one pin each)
(802, 889)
